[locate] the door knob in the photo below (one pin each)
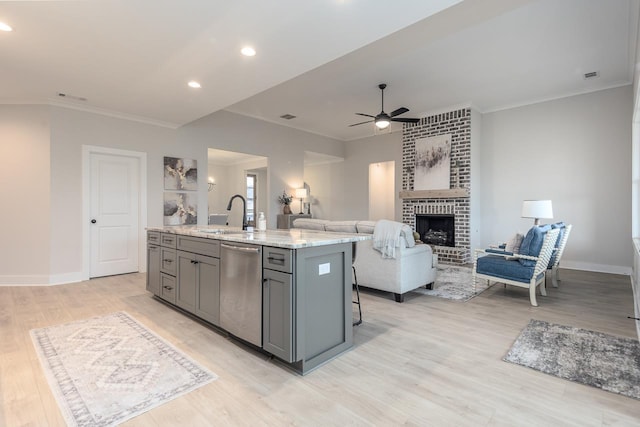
(93, 221)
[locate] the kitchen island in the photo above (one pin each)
(287, 292)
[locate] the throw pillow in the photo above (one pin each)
(513, 244)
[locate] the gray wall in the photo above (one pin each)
(358, 155)
(24, 188)
(47, 142)
(575, 151)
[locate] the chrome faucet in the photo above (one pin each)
(244, 209)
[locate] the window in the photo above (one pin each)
(251, 199)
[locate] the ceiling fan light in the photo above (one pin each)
(382, 123)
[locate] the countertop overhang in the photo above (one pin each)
(290, 239)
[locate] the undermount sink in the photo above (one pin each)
(220, 231)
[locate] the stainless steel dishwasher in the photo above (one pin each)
(241, 291)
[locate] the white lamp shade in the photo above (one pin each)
(537, 209)
(301, 193)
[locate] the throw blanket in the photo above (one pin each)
(386, 237)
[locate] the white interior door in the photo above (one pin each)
(114, 213)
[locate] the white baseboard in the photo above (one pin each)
(41, 280)
(61, 279)
(598, 268)
(38, 280)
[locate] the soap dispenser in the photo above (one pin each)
(262, 222)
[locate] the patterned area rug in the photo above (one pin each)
(454, 282)
(587, 357)
(108, 369)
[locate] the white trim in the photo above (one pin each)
(598, 268)
(63, 279)
(38, 280)
(87, 150)
(553, 98)
(111, 113)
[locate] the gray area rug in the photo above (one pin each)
(455, 283)
(587, 357)
(106, 370)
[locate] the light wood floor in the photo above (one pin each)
(427, 361)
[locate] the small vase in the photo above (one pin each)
(286, 209)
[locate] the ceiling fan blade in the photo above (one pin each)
(361, 123)
(366, 115)
(399, 111)
(405, 120)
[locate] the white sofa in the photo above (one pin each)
(413, 266)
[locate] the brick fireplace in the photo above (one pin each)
(453, 202)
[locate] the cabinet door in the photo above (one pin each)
(168, 288)
(153, 269)
(277, 309)
(186, 277)
(208, 289)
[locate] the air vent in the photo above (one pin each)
(591, 75)
(287, 116)
(67, 96)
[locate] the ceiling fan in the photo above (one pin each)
(383, 120)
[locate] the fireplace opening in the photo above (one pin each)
(436, 229)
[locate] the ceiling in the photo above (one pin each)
(319, 60)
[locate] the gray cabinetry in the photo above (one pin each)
(307, 313)
(277, 314)
(198, 278)
(161, 265)
(168, 288)
(153, 268)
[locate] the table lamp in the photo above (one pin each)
(301, 193)
(537, 209)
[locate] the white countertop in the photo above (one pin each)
(290, 239)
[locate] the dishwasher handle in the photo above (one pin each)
(241, 248)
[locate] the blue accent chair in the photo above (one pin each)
(554, 262)
(525, 269)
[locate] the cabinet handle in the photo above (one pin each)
(168, 260)
(194, 262)
(167, 287)
(274, 260)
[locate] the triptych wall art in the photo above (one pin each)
(181, 201)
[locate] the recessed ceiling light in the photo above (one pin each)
(5, 27)
(194, 84)
(248, 51)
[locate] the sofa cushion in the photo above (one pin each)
(532, 243)
(366, 227)
(407, 233)
(310, 223)
(341, 226)
(514, 243)
(498, 266)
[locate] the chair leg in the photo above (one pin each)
(543, 286)
(532, 294)
(555, 276)
(355, 277)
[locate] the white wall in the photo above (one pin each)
(219, 196)
(43, 146)
(382, 190)
(358, 155)
(327, 183)
(284, 147)
(476, 228)
(575, 151)
(24, 186)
